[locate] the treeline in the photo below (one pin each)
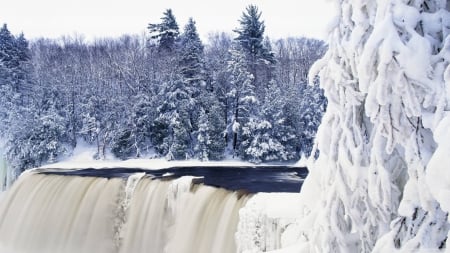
(165, 94)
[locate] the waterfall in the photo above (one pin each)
(72, 214)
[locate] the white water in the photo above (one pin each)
(68, 214)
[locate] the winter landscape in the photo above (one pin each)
(262, 137)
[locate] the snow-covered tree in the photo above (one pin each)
(241, 96)
(32, 125)
(172, 128)
(307, 114)
(191, 59)
(217, 59)
(37, 137)
(251, 35)
(385, 78)
(166, 32)
(257, 142)
(15, 76)
(203, 138)
(217, 129)
(133, 138)
(211, 142)
(258, 55)
(192, 69)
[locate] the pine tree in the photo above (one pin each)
(133, 138)
(41, 135)
(192, 70)
(277, 110)
(259, 58)
(251, 35)
(242, 95)
(191, 63)
(203, 138)
(216, 127)
(166, 32)
(309, 107)
(9, 77)
(179, 147)
(33, 126)
(211, 142)
(217, 60)
(172, 130)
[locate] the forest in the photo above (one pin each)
(161, 94)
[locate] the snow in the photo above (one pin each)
(381, 180)
(83, 158)
(438, 174)
(263, 221)
(151, 163)
(236, 127)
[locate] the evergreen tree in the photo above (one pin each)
(251, 35)
(133, 139)
(14, 74)
(166, 32)
(211, 141)
(259, 58)
(217, 60)
(242, 95)
(33, 126)
(272, 134)
(203, 138)
(179, 138)
(41, 135)
(216, 127)
(191, 63)
(192, 70)
(309, 112)
(7, 52)
(172, 129)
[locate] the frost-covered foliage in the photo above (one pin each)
(242, 95)
(385, 76)
(162, 94)
(133, 139)
(31, 123)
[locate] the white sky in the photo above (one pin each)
(111, 18)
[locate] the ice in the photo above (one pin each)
(263, 221)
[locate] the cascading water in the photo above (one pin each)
(72, 214)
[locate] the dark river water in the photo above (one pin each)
(246, 178)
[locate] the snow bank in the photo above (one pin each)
(83, 154)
